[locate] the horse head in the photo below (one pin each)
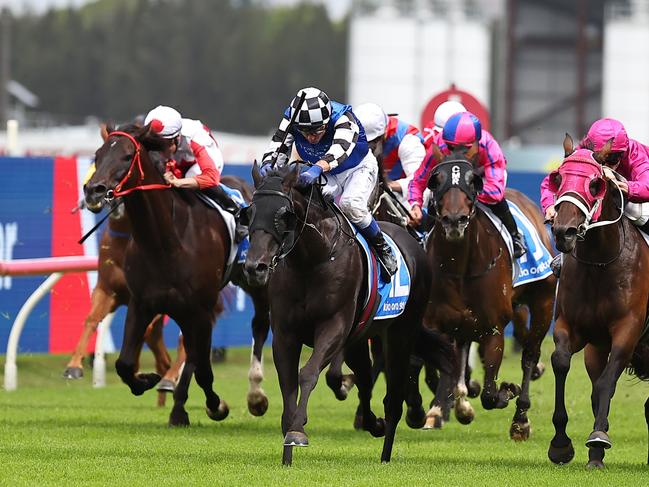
(581, 188)
(455, 184)
(272, 221)
(122, 161)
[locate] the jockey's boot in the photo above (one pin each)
(383, 251)
(501, 210)
(225, 201)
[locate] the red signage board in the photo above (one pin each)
(468, 100)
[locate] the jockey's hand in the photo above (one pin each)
(416, 215)
(308, 177)
(395, 186)
(170, 178)
(265, 169)
(550, 213)
(608, 174)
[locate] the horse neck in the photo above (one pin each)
(315, 231)
(151, 213)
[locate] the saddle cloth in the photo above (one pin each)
(237, 252)
(534, 264)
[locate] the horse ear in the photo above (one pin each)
(472, 153)
(602, 154)
(475, 179)
(290, 178)
(437, 153)
(105, 129)
(256, 175)
(568, 145)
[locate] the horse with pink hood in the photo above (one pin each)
(629, 158)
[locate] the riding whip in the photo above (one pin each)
(94, 229)
(288, 128)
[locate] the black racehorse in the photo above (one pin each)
(307, 253)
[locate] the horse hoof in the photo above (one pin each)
(561, 454)
(296, 438)
(257, 403)
(178, 419)
(520, 431)
(166, 385)
(221, 412)
(416, 418)
(433, 423)
(73, 373)
(346, 385)
(162, 399)
(358, 422)
(377, 430)
(464, 413)
(144, 382)
(598, 439)
(473, 388)
(595, 464)
(537, 371)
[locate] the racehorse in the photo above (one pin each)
(110, 293)
(603, 294)
(472, 297)
(306, 252)
(174, 263)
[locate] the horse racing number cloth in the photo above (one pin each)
(387, 297)
(534, 264)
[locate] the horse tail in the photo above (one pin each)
(435, 349)
(640, 359)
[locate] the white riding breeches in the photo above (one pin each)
(352, 189)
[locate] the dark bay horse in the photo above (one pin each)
(472, 297)
(110, 293)
(174, 262)
(603, 294)
(308, 255)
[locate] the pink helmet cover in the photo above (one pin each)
(604, 130)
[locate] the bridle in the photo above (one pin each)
(136, 162)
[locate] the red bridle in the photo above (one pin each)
(135, 161)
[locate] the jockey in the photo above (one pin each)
(397, 145)
(433, 131)
(628, 157)
(462, 130)
(329, 136)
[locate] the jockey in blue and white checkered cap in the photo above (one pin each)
(328, 135)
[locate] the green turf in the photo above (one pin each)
(67, 433)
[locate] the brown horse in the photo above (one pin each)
(174, 263)
(472, 297)
(310, 256)
(110, 293)
(603, 294)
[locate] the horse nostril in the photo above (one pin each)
(261, 267)
(570, 233)
(99, 189)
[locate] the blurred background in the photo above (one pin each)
(531, 69)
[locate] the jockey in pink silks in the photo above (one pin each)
(461, 131)
(628, 157)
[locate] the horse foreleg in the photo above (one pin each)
(604, 388)
(415, 414)
(463, 410)
(440, 408)
(154, 339)
(561, 449)
(358, 358)
(339, 383)
(257, 399)
(137, 319)
(101, 304)
(595, 360)
(491, 396)
(328, 341)
(398, 343)
(199, 353)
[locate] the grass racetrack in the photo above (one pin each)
(57, 432)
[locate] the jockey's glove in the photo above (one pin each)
(309, 176)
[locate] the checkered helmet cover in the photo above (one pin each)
(315, 110)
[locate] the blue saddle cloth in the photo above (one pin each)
(383, 298)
